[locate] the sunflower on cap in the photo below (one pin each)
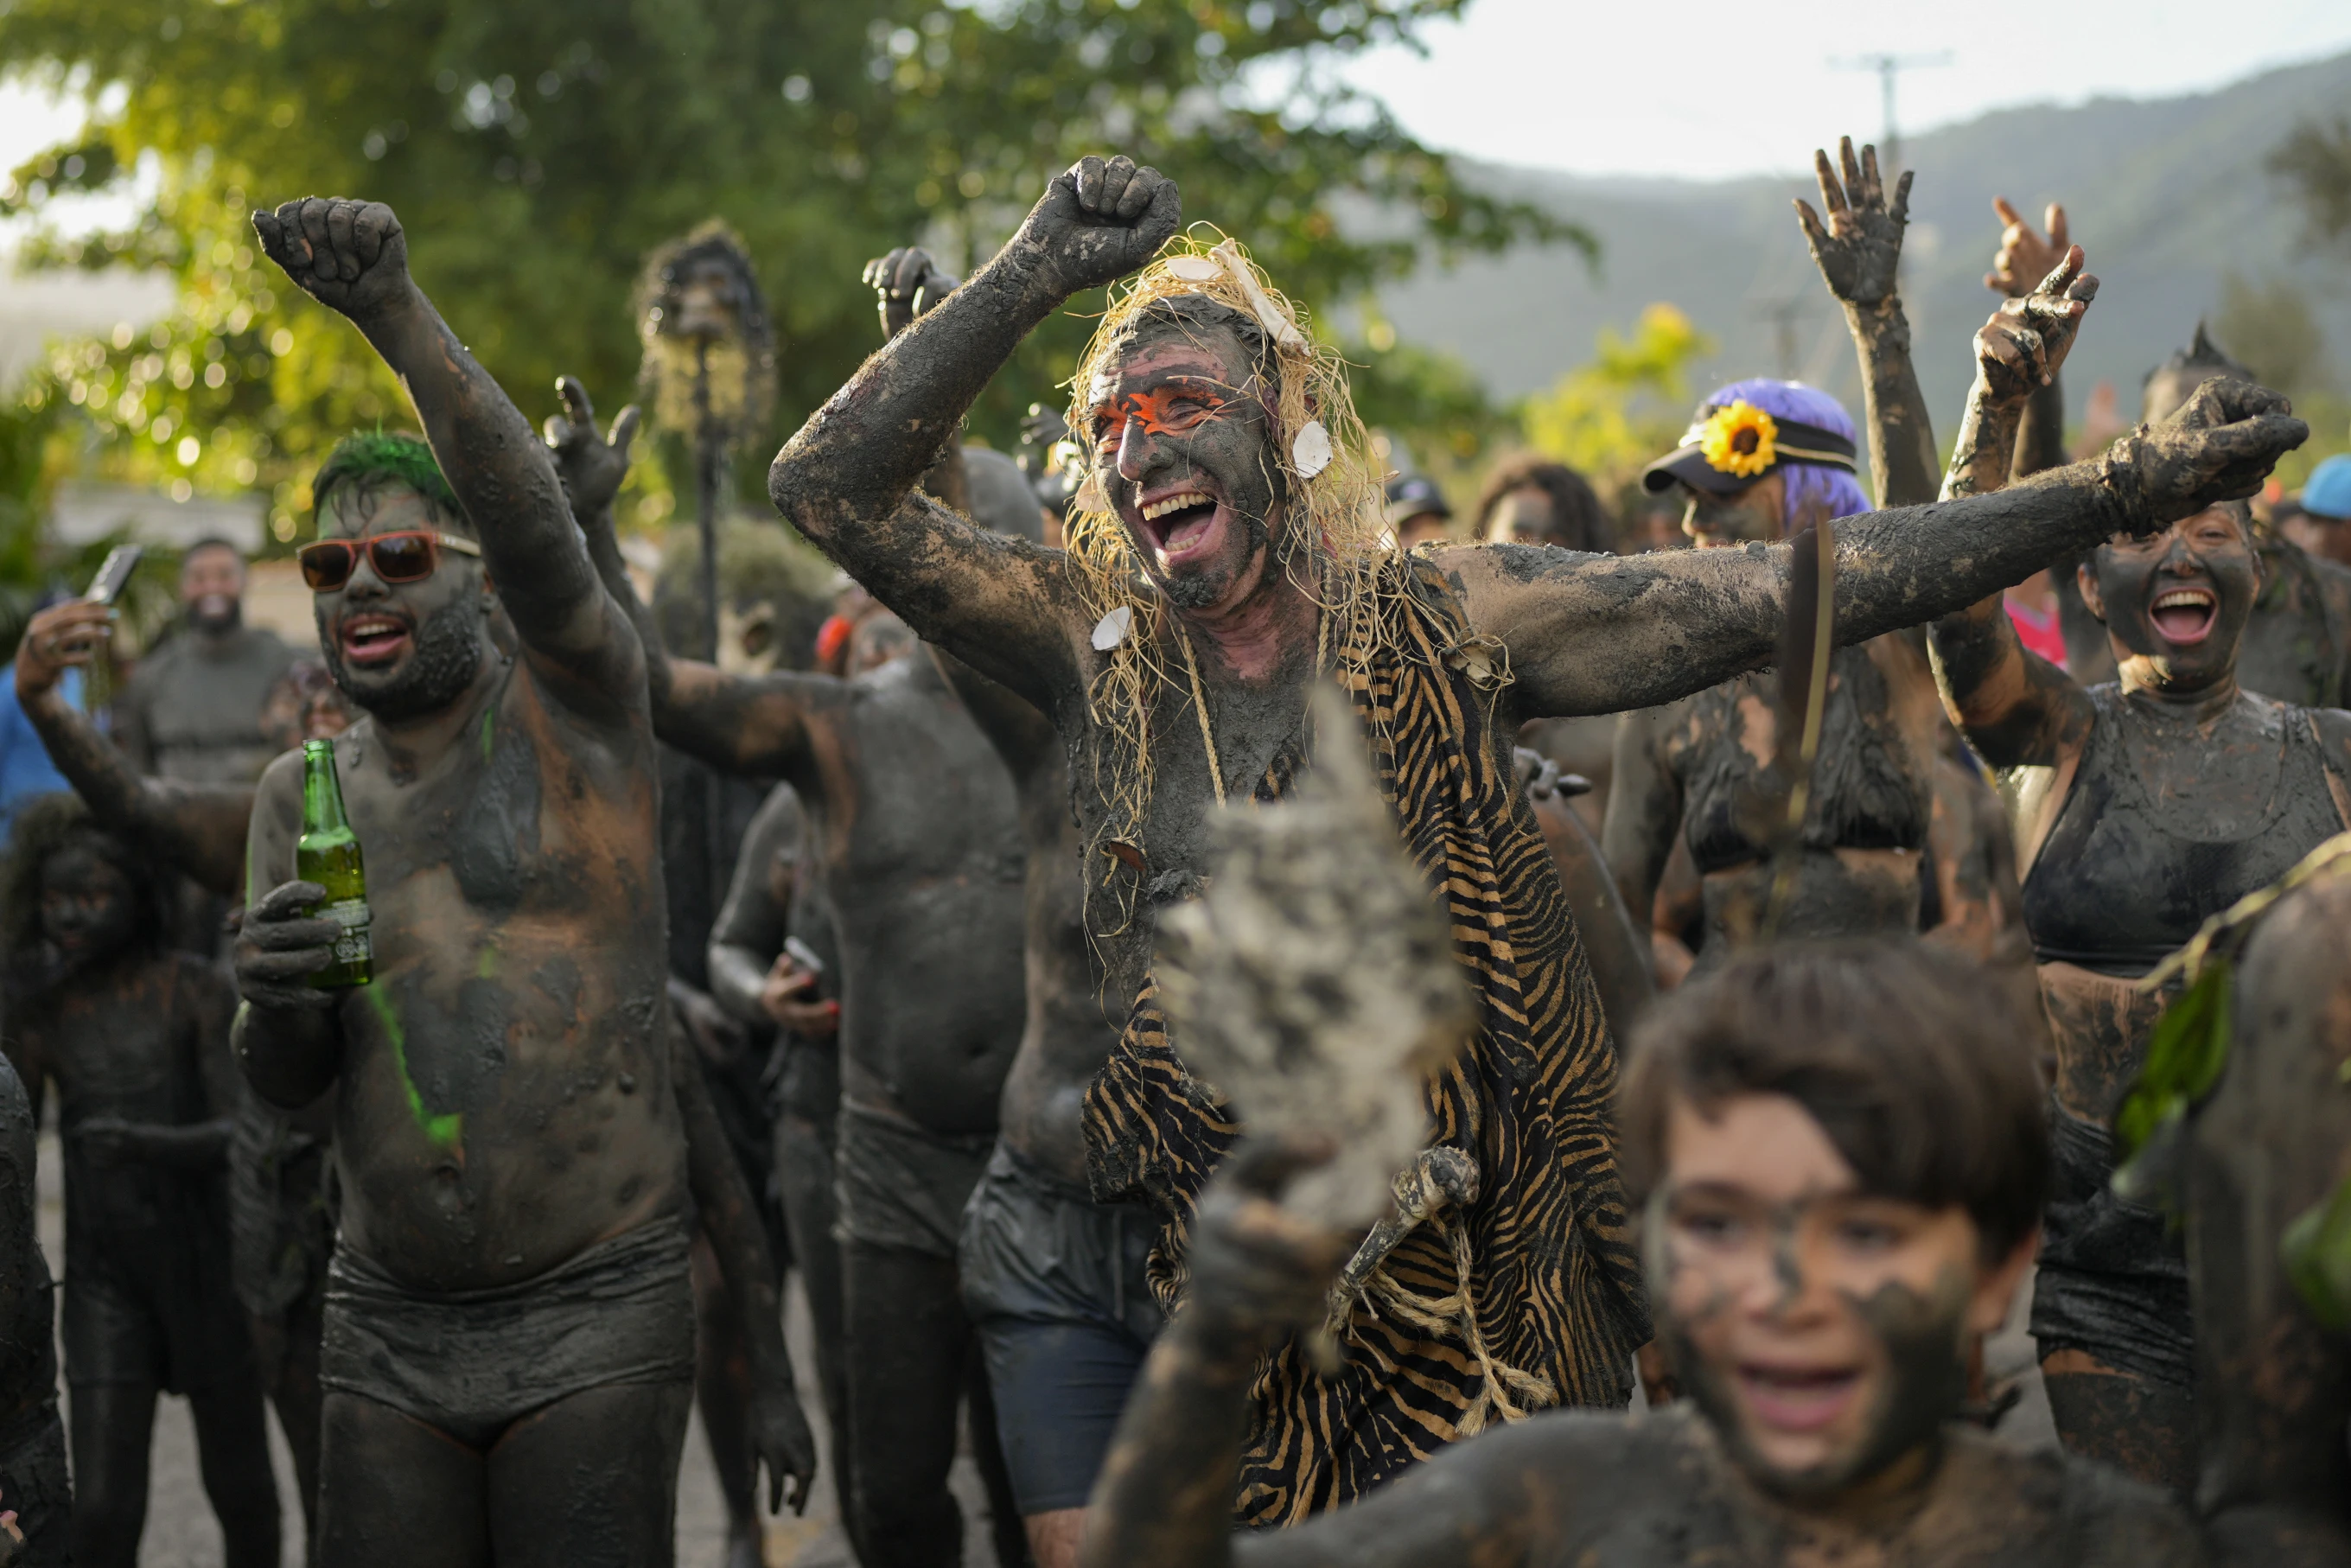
(1741, 439)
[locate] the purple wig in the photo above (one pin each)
(1809, 484)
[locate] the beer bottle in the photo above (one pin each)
(328, 854)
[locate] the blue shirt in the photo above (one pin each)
(26, 771)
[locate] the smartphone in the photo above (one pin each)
(800, 953)
(114, 573)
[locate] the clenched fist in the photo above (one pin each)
(348, 255)
(2216, 447)
(1099, 221)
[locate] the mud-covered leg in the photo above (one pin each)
(394, 1493)
(2141, 1426)
(591, 1480)
(288, 1349)
(1005, 1526)
(112, 1425)
(906, 1341)
(722, 1370)
(232, 1451)
(804, 1178)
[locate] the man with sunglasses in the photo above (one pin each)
(508, 1353)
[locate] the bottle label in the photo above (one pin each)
(352, 943)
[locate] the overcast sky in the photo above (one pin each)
(1711, 87)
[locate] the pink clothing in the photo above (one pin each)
(2038, 633)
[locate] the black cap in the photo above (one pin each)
(1775, 442)
(1412, 494)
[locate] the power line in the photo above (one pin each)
(1888, 68)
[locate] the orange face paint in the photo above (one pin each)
(1162, 411)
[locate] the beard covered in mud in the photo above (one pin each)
(517, 1147)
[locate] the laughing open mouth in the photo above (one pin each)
(1798, 1398)
(1181, 524)
(2183, 616)
(374, 640)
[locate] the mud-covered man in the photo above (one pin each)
(1840, 1153)
(921, 866)
(135, 1037)
(509, 1342)
(1229, 553)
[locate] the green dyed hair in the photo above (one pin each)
(371, 460)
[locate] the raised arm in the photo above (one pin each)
(739, 724)
(198, 828)
(847, 480)
(2016, 708)
(2026, 257)
(352, 257)
(1858, 250)
(1602, 634)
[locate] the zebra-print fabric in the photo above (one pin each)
(1554, 1283)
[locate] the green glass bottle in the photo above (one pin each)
(328, 854)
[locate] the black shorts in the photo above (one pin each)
(472, 1363)
(2113, 1276)
(157, 1309)
(1054, 1284)
(898, 1184)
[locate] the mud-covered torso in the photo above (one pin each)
(918, 837)
(2165, 824)
(1070, 1026)
(126, 1043)
(1872, 797)
(504, 1095)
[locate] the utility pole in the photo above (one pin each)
(1888, 68)
(1782, 314)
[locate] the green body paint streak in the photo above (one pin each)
(443, 1131)
(485, 968)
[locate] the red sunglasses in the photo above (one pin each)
(409, 556)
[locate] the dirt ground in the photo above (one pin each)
(181, 1531)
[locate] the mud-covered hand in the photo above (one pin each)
(1859, 247)
(62, 637)
(788, 997)
(592, 465)
(1098, 221)
(781, 1441)
(280, 944)
(1258, 1272)
(12, 1539)
(2021, 347)
(2216, 447)
(348, 255)
(716, 1037)
(906, 283)
(2024, 257)
(114, 1140)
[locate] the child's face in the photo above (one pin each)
(86, 904)
(1822, 1330)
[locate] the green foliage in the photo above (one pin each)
(2185, 1054)
(2272, 328)
(537, 150)
(1608, 418)
(2316, 1249)
(2315, 161)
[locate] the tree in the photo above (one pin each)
(1628, 405)
(537, 148)
(2316, 159)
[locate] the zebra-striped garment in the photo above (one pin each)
(1553, 1294)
